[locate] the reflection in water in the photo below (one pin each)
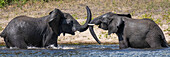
(85, 50)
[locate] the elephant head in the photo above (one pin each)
(109, 21)
(69, 25)
(66, 23)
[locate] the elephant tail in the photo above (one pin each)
(164, 42)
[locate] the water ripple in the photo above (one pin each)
(84, 51)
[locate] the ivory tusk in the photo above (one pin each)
(91, 24)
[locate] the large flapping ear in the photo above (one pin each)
(55, 14)
(55, 19)
(114, 24)
(125, 15)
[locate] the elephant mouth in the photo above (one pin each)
(102, 27)
(72, 33)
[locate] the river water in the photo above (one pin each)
(85, 51)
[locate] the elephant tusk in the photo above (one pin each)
(91, 24)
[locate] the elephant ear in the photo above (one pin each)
(114, 24)
(55, 15)
(54, 20)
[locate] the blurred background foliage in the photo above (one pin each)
(157, 10)
(4, 3)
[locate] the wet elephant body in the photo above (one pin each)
(135, 33)
(23, 31)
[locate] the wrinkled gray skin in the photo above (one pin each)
(134, 33)
(23, 31)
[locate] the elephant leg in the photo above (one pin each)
(7, 42)
(122, 42)
(18, 42)
(154, 44)
(164, 43)
(153, 40)
(56, 45)
(126, 42)
(122, 45)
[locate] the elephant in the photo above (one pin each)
(134, 33)
(24, 31)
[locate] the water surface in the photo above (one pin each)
(86, 50)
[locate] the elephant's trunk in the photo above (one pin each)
(84, 27)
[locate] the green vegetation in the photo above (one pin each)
(106, 35)
(75, 16)
(100, 36)
(2, 44)
(1, 27)
(139, 8)
(19, 3)
(168, 29)
(83, 22)
(4, 3)
(146, 16)
(144, 9)
(158, 21)
(157, 10)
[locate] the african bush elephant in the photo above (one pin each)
(134, 33)
(23, 31)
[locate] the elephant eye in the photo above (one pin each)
(105, 22)
(71, 22)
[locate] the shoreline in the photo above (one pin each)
(86, 37)
(158, 11)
